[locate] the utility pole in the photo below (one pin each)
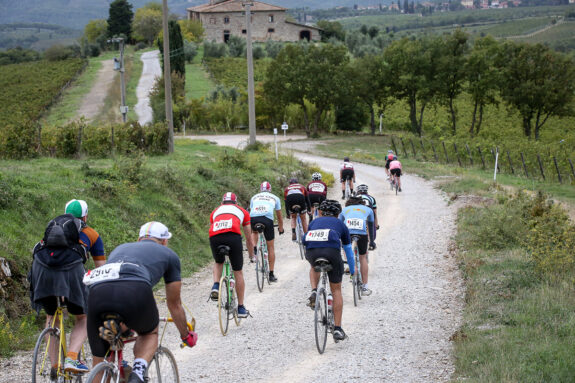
(119, 66)
(251, 96)
(168, 77)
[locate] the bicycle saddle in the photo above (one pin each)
(260, 227)
(296, 208)
(322, 264)
(223, 250)
(355, 237)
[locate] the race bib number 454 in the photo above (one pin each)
(103, 273)
(354, 223)
(223, 225)
(317, 235)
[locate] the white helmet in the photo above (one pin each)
(316, 176)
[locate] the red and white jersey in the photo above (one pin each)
(295, 189)
(395, 164)
(317, 187)
(228, 218)
(346, 166)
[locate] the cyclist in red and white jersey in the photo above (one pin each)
(317, 192)
(346, 174)
(395, 170)
(296, 194)
(388, 159)
(226, 222)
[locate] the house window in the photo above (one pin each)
(271, 30)
(244, 31)
(226, 36)
(226, 20)
(270, 18)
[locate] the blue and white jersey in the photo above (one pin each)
(356, 217)
(326, 232)
(264, 204)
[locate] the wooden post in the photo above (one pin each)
(413, 148)
(445, 150)
(510, 163)
(422, 149)
(572, 170)
(541, 167)
(393, 144)
(457, 155)
(403, 147)
(434, 152)
(481, 155)
(524, 167)
(495, 153)
(557, 168)
(469, 154)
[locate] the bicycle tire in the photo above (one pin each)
(260, 268)
(320, 320)
(358, 280)
(224, 305)
(266, 261)
(347, 190)
(299, 231)
(234, 307)
(109, 371)
(163, 367)
(355, 289)
(41, 364)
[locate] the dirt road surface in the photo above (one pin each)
(150, 71)
(94, 100)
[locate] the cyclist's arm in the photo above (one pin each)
(280, 220)
(174, 303)
(249, 240)
(350, 259)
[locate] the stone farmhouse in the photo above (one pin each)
(224, 18)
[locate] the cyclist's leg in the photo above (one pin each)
(271, 254)
(337, 302)
(362, 249)
(303, 217)
(240, 285)
(78, 335)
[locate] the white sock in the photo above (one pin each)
(139, 367)
(365, 285)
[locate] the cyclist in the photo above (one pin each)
(226, 222)
(346, 174)
(387, 162)
(395, 170)
(296, 194)
(369, 201)
(317, 191)
(325, 238)
(88, 236)
(262, 207)
(124, 286)
(357, 217)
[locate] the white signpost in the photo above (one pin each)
(276, 141)
(285, 127)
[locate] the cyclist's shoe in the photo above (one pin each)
(338, 334)
(71, 365)
(242, 312)
(365, 291)
(293, 236)
(134, 378)
(215, 291)
(272, 277)
(253, 259)
(311, 299)
(53, 374)
(399, 189)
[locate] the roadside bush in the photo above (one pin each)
(19, 141)
(215, 50)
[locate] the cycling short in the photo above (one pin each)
(234, 241)
(50, 304)
(387, 164)
(295, 199)
(361, 243)
(268, 231)
(316, 198)
(331, 254)
(347, 174)
(132, 300)
(396, 172)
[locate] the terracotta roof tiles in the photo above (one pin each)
(234, 6)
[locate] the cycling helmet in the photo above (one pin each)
(293, 181)
(330, 207)
(345, 159)
(354, 200)
(390, 151)
(390, 157)
(265, 187)
(229, 197)
(77, 207)
(394, 158)
(362, 189)
(316, 176)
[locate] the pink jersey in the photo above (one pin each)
(228, 218)
(395, 164)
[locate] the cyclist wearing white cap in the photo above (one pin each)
(262, 207)
(124, 286)
(88, 236)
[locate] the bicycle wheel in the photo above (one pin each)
(163, 368)
(347, 192)
(224, 305)
(260, 268)
(320, 320)
(356, 291)
(299, 231)
(108, 372)
(396, 186)
(266, 262)
(234, 307)
(42, 363)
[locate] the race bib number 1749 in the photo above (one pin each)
(317, 235)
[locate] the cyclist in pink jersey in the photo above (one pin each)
(395, 170)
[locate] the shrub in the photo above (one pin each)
(19, 141)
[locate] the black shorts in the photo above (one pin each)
(347, 174)
(396, 172)
(316, 198)
(295, 199)
(268, 231)
(50, 304)
(333, 255)
(361, 243)
(387, 164)
(234, 241)
(132, 300)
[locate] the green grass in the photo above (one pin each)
(198, 81)
(518, 27)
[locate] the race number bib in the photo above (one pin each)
(223, 225)
(103, 273)
(347, 166)
(354, 223)
(317, 188)
(317, 235)
(262, 209)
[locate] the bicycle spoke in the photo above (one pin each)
(224, 305)
(45, 355)
(163, 368)
(320, 320)
(260, 266)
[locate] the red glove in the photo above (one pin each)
(191, 339)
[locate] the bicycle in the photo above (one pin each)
(262, 262)
(347, 189)
(356, 280)
(299, 231)
(162, 368)
(315, 210)
(323, 313)
(227, 299)
(51, 346)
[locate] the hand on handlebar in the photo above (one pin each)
(190, 340)
(377, 227)
(280, 231)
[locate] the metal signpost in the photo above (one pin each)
(276, 141)
(285, 127)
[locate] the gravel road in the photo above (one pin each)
(150, 71)
(94, 100)
(398, 334)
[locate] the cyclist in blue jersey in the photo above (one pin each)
(359, 220)
(369, 201)
(262, 207)
(325, 237)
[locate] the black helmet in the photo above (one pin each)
(345, 159)
(362, 189)
(330, 207)
(293, 181)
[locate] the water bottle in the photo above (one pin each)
(329, 302)
(232, 283)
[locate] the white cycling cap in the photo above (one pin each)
(155, 230)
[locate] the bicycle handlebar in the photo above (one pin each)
(191, 326)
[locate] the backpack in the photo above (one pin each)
(61, 243)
